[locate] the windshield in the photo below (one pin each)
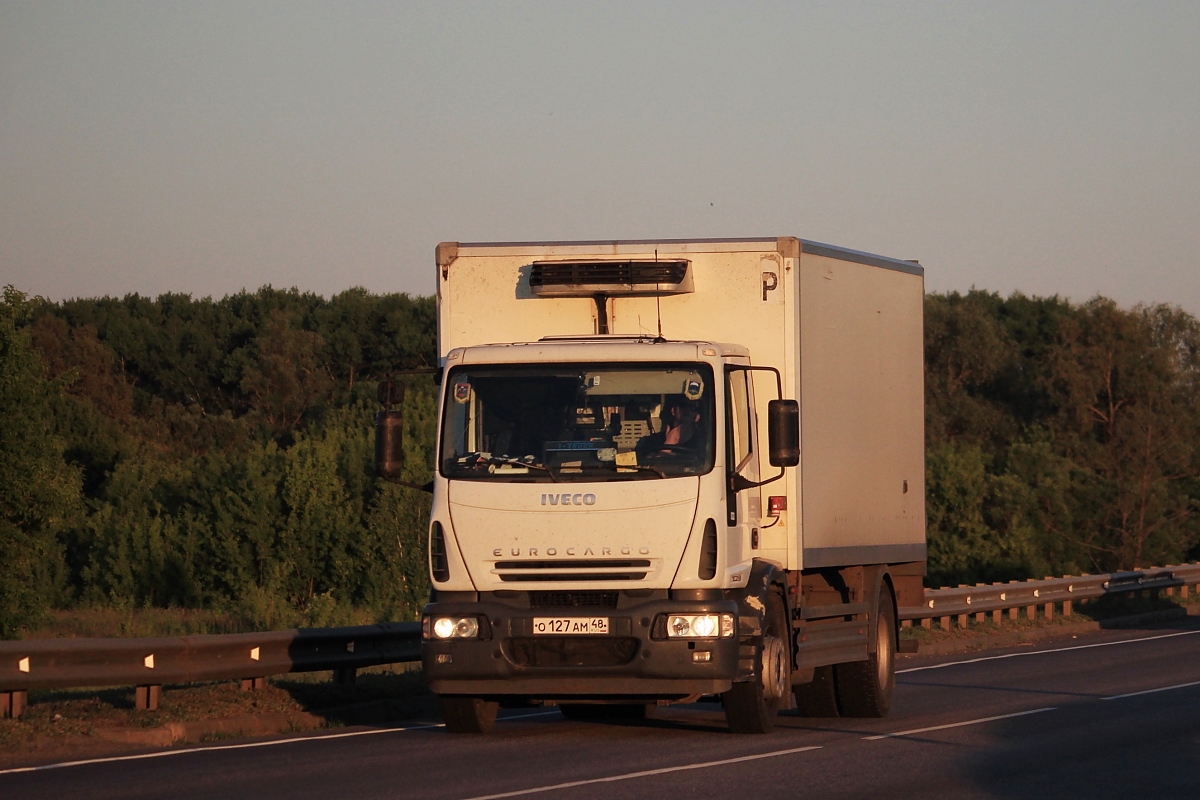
(578, 422)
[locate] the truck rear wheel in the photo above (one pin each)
(818, 697)
(469, 714)
(750, 707)
(864, 688)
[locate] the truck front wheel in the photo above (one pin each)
(864, 688)
(750, 707)
(469, 714)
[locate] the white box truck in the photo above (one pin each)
(669, 470)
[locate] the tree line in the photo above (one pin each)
(1060, 438)
(218, 453)
(215, 454)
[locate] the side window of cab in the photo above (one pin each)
(740, 441)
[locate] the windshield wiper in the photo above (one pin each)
(514, 462)
(640, 468)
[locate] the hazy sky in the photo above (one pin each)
(205, 147)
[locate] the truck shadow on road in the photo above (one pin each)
(1093, 749)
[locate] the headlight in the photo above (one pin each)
(455, 627)
(700, 626)
(705, 626)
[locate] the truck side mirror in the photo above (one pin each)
(783, 433)
(389, 393)
(389, 444)
(389, 431)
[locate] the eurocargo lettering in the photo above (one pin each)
(668, 470)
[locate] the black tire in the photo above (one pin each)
(864, 688)
(751, 706)
(603, 712)
(469, 714)
(818, 697)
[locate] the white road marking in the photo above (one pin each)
(247, 745)
(646, 773)
(628, 776)
(1152, 691)
(956, 724)
(214, 748)
(1045, 652)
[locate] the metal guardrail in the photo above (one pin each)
(148, 664)
(963, 602)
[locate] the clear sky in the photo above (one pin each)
(206, 147)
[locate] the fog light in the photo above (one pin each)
(445, 658)
(701, 657)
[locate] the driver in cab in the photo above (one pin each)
(680, 426)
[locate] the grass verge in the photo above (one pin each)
(69, 721)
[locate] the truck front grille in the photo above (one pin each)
(549, 652)
(599, 569)
(573, 599)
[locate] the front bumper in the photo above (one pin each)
(634, 660)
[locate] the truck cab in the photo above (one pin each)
(582, 483)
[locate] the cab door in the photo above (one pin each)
(744, 506)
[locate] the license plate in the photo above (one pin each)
(570, 625)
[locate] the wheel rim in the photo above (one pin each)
(774, 670)
(883, 653)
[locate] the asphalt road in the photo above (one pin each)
(1112, 714)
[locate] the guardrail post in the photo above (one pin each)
(1049, 611)
(979, 617)
(147, 697)
(1012, 612)
(1031, 612)
(12, 704)
(251, 684)
(1066, 608)
(997, 614)
(907, 623)
(945, 623)
(927, 623)
(1183, 591)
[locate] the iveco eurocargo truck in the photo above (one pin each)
(672, 470)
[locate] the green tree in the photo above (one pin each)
(1126, 386)
(39, 491)
(978, 522)
(968, 352)
(285, 378)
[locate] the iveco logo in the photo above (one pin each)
(567, 499)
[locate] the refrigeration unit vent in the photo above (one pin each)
(590, 278)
